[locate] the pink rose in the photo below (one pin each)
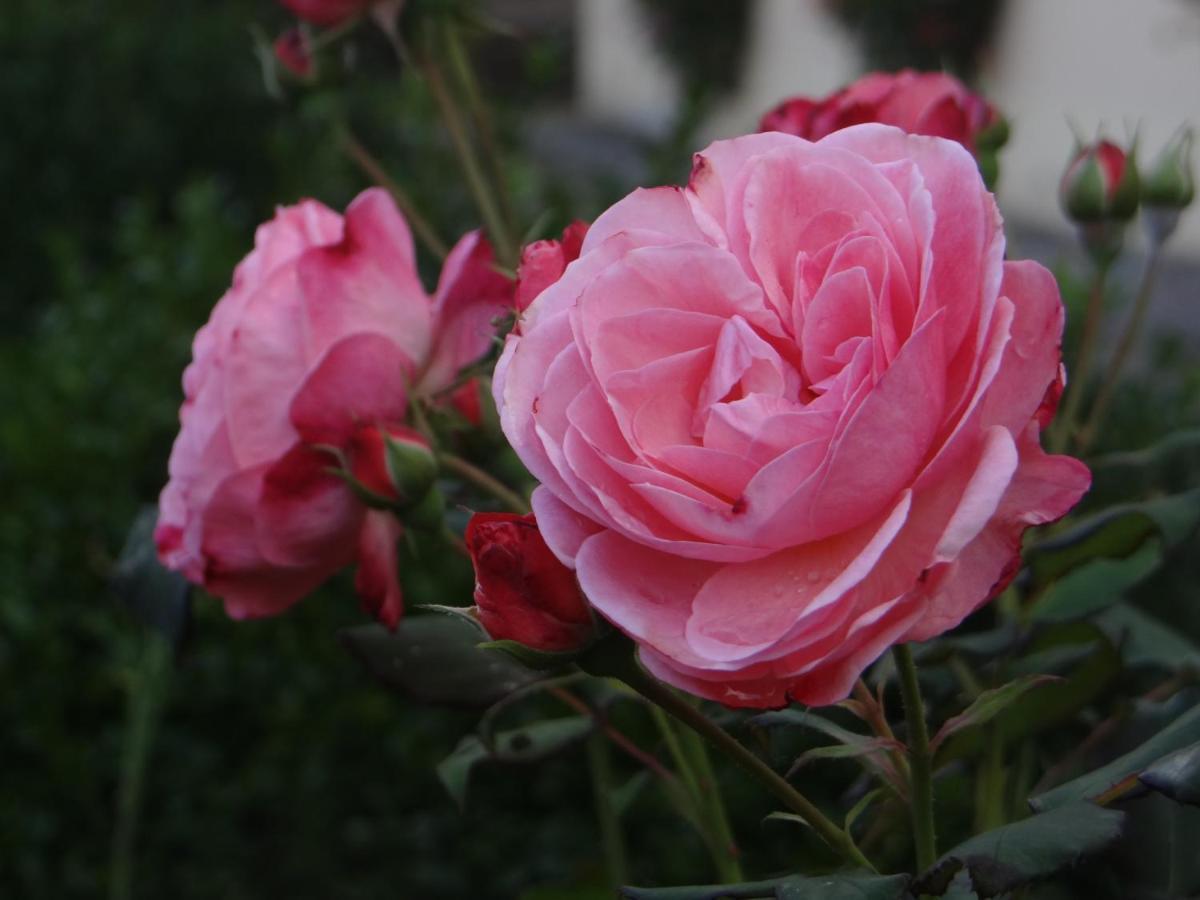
(789, 415)
(931, 103)
(326, 329)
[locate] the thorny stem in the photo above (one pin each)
(1120, 356)
(452, 119)
(600, 766)
(374, 170)
(145, 702)
(617, 661)
(461, 64)
(921, 760)
(1065, 431)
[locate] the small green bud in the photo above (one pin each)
(1169, 183)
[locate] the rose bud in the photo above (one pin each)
(522, 592)
(1099, 193)
(1168, 187)
(543, 262)
(391, 466)
(1100, 184)
(293, 52)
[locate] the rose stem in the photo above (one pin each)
(485, 482)
(728, 868)
(147, 693)
(622, 665)
(921, 759)
(460, 62)
(1121, 356)
(374, 170)
(1083, 361)
(712, 808)
(488, 209)
(599, 763)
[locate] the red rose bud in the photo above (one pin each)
(391, 466)
(522, 592)
(542, 262)
(1100, 185)
(294, 53)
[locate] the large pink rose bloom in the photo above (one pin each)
(789, 415)
(325, 331)
(931, 103)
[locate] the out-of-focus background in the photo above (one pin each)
(140, 144)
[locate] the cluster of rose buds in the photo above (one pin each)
(1102, 190)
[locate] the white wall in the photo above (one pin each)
(1109, 62)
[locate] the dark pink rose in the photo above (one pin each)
(325, 329)
(789, 415)
(930, 103)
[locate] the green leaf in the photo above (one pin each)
(1097, 584)
(791, 818)
(1145, 641)
(961, 888)
(1095, 663)
(871, 750)
(519, 745)
(1002, 860)
(541, 660)
(434, 659)
(157, 596)
(844, 887)
(861, 806)
(875, 746)
(1115, 533)
(850, 886)
(988, 705)
(623, 796)
(751, 890)
(1176, 775)
(1181, 733)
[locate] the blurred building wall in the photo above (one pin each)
(1117, 63)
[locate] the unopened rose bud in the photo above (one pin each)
(543, 262)
(391, 466)
(523, 593)
(294, 53)
(1169, 182)
(1168, 188)
(1100, 185)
